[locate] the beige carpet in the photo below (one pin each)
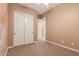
(40, 49)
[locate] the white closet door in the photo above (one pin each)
(28, 29)
(18, 28)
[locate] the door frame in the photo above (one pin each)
(24, 26)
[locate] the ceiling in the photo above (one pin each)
(40, 7)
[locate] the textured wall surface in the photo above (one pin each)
(3, 28)
(63, 25)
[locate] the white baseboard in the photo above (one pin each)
(7, 50)
(63, 46)
(10, 47)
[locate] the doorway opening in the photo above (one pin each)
(42, 29)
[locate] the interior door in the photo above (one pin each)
(28, 29)
(18, 28)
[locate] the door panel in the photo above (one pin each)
(28, 29)
(18, 28)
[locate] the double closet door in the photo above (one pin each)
(23, 28)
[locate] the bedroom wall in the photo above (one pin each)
(3, 28)
(63, 25)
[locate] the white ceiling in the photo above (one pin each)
(40, 7)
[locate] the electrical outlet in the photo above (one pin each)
(63, 42)
(72, 43)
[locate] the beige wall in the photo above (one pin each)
(3, 28)
(20, 8)
(63, 25)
